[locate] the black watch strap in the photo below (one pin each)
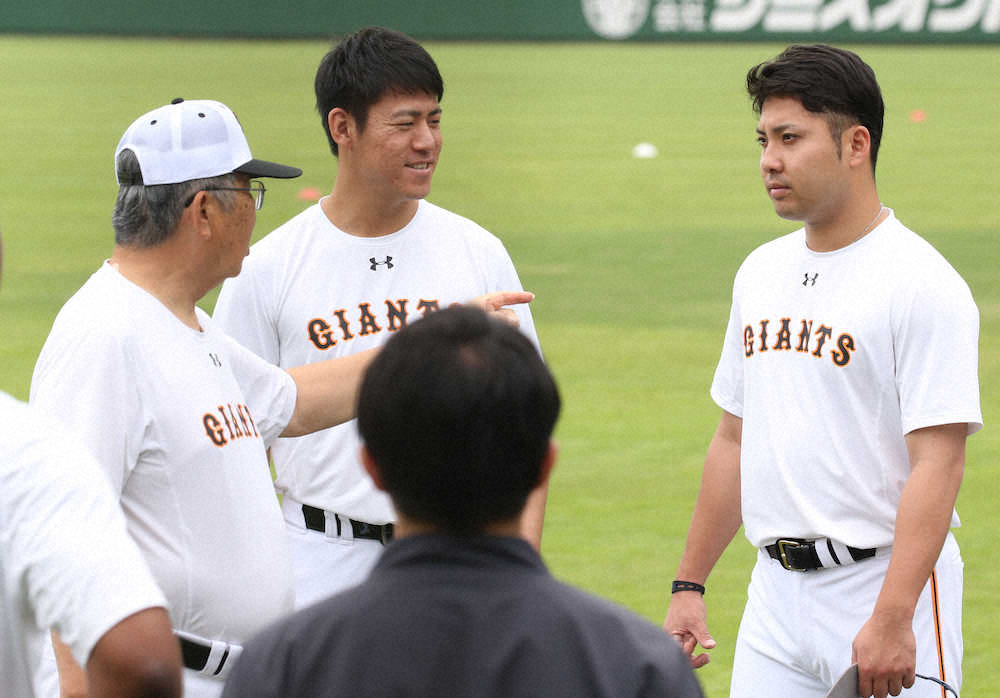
(679, 585)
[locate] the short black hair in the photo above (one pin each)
(365, 66)
(831, 81)
(457, 411)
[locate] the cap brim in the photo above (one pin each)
(263, 168)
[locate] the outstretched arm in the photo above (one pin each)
(327, 391)
(715, 521)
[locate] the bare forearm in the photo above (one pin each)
(714, 523)
(327, 392)
(717, 514)
(885, 647)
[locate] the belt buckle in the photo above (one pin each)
(387, 533)
(782, 543)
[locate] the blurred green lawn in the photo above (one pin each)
(632, 260)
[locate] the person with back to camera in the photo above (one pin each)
(456, 417)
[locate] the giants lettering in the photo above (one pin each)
(323, 335)
(234, 424)
(807, 339)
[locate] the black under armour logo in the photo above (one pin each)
(387, 263)
(215, 359)
(810, 280)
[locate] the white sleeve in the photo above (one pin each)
(270, 391)
(85, 382)
(936, 343)
(727, 384)
(65, 534)
(243, 312)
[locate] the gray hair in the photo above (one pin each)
(145, 216)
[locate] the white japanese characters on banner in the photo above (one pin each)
(619, 19)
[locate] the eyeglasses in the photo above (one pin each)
(256, 190)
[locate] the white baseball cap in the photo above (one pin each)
(194, 139)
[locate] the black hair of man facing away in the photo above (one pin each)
(456, 415)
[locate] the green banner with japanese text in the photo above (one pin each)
(647, 20)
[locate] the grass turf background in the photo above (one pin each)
(632, 260)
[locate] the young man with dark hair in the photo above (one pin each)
(848, 383)
(456, 415)
(345, 274)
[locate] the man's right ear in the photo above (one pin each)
(371, 467)
(343, 127)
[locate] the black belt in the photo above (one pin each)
(316, 521)
(195, 655)
(800, 555)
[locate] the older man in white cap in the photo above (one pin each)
(179, 415)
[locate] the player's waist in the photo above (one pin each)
(336, 485)
(805, 555)
(333, 524)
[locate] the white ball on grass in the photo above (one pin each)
(645, 151)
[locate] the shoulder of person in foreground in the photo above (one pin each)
(623, 638)
(614, 643)
(266, 667)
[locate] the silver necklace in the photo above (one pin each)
(868, 228)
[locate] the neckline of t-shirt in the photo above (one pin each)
(857, 244)
(372, 241)
(202, 316)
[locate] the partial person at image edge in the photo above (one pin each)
(67, 562)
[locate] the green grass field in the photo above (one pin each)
(632, 260)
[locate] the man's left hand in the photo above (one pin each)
(885, 651)
(497, 301)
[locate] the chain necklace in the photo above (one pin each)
(868, 228)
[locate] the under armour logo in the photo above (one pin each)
(387, 263)
(810, 280)
(215, 359)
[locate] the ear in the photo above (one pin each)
(343, 127)
(371, 467)
(548, 463)
(857, 144)
(197, 215)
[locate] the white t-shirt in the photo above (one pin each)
(179, 420)
(309, 292)
(66, 561)
(830, 359)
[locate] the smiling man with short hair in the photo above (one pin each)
(347, 273)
